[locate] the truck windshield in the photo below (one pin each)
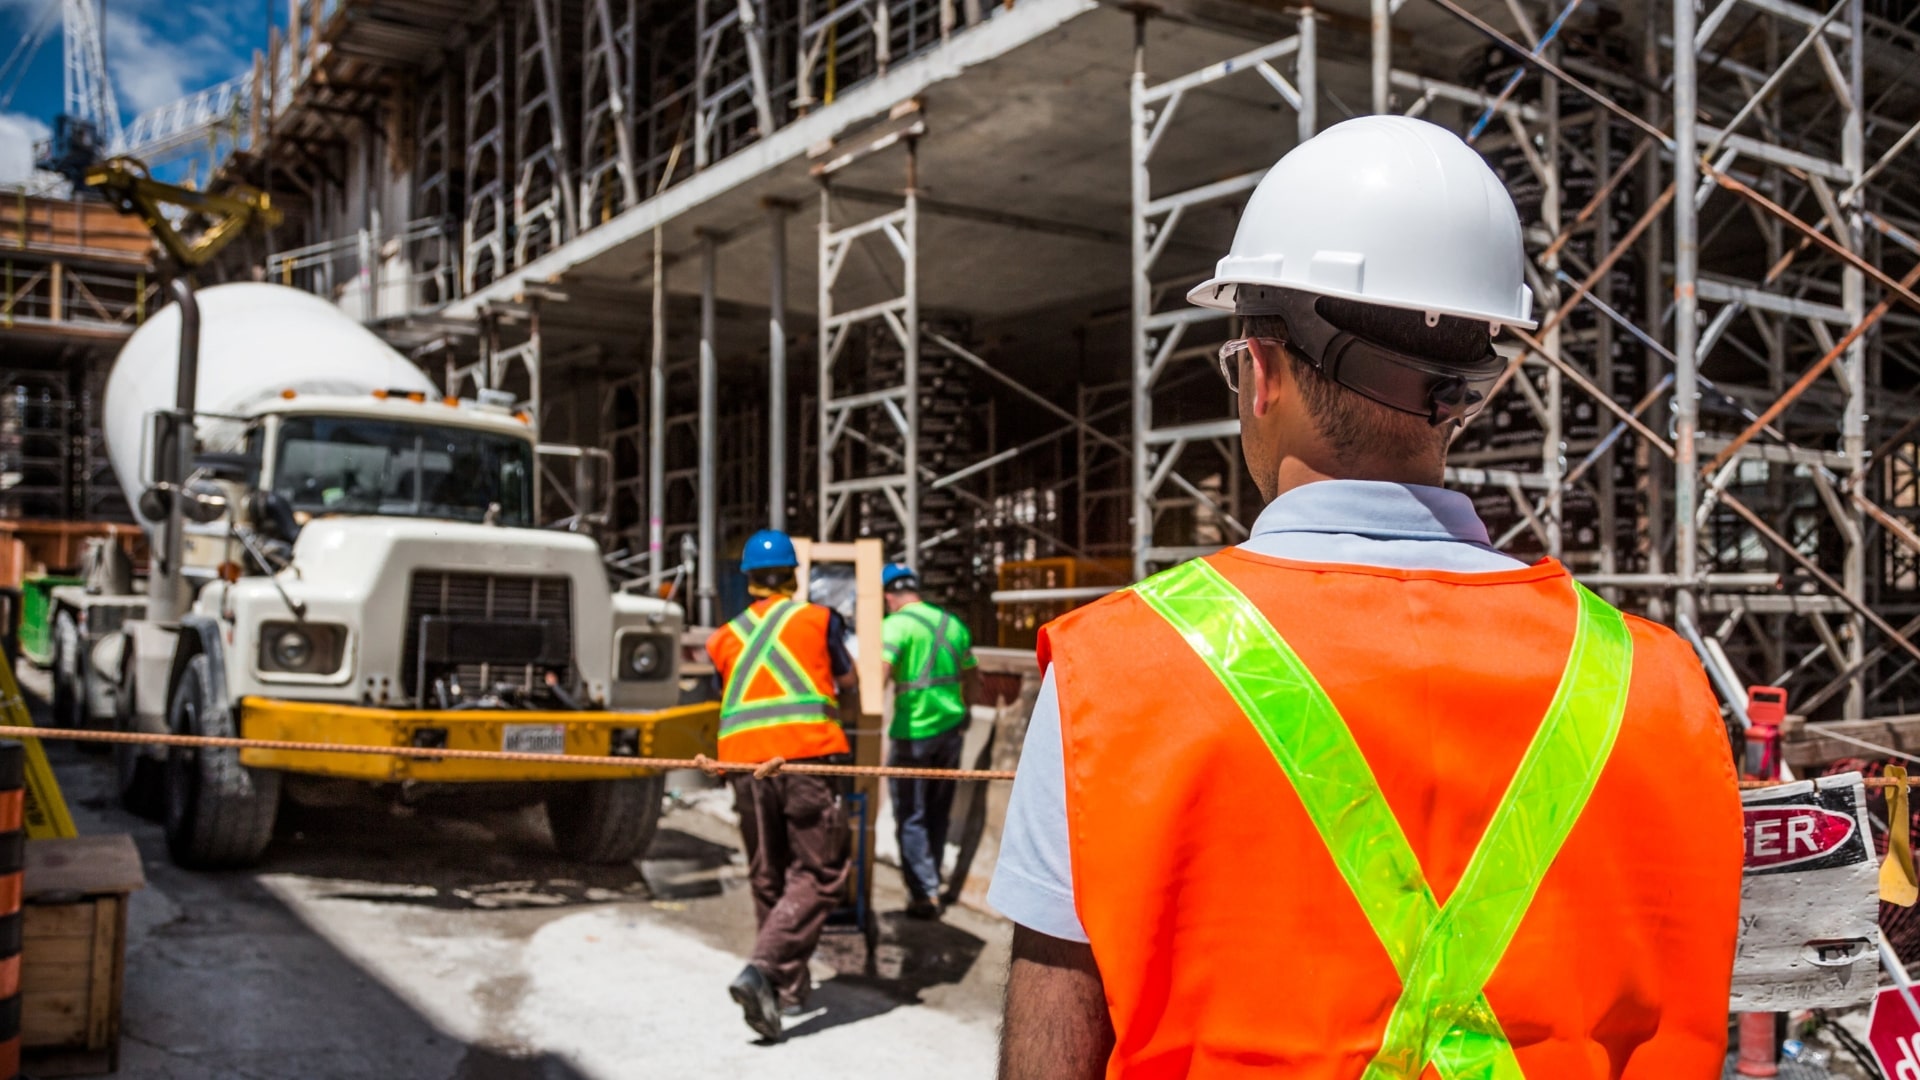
(352, 465)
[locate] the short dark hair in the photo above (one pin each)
(1353, 423)
(776, 578)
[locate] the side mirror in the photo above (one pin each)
(205, 502)
(154, 502)
(273, 516)
(202, 504)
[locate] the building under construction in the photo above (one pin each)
(916, 269)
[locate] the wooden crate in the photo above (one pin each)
(73, 953)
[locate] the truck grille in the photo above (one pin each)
(509, 598)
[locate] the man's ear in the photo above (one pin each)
(1268, 376)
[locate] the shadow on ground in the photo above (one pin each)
(911, 956)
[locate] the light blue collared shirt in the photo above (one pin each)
(1351, 522)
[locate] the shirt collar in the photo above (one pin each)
(1375, 509)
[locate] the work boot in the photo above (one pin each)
(923, 908)
(758, 1003)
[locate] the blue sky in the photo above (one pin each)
(157, 51)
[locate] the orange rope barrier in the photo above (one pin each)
(433, 753)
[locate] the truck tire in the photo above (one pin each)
(605, 821)
(219, 813)
(136, 772)
(69, 673)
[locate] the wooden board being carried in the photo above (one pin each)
(1809, 900)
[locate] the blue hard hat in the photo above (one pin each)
(896, 571)
(768, 549)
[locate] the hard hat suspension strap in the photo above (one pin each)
(1443, 954)
(1440, 393)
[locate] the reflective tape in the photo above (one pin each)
(927, 680)
(797, 701)
(1444, 956)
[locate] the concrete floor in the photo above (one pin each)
(447, 942)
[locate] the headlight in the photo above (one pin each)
(645, 657)
(301, 648)
(292, 649)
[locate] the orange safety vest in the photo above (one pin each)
(1232, 940)
(779, 698)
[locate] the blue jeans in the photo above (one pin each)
(921, 808)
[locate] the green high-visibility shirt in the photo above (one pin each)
(928, 650)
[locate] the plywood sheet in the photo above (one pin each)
(83, 866)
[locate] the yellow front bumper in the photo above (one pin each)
(679, 732)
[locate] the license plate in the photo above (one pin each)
(534, 739)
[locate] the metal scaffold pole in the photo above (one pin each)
(657, 420)
(1686, 270)
(709, 524)
(777, 365)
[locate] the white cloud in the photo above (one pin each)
(17, 135)
(154, 59)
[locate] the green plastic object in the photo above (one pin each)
(36, 615)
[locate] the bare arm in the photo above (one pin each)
(1056, 1025)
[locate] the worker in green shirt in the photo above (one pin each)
(930, 663)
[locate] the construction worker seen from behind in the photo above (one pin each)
(788, 692)
(930, 665)
(1363, 796)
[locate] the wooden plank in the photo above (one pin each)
(53, 1018)
(1806, 745)
(60, 950)
(83, 866)
(101, 995)
(46, 922)
(60, 1062)
(53, 1062)
(40, 975)
(119, 984)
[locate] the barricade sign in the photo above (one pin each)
(1809, 899)
(1894, 1034)
(46, 809)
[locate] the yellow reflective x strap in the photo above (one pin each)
(1444, 955)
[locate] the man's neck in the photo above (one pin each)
(1297, 472)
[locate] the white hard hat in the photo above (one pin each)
(1385, 210)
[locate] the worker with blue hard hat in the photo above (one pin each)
(930, 664)
(788, 693)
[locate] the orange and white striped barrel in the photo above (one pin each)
(13, 856)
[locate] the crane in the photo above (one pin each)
(89, 128)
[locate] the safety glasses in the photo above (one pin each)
(1230, 354)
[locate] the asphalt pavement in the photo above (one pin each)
(445, 941)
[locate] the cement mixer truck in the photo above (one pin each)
(343, 555)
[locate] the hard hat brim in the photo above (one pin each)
(1219, 294)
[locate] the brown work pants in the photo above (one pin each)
(795, 831)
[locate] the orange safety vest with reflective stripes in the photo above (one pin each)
(779, 698)
(1233, 858)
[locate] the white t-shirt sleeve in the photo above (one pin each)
(1033, 881)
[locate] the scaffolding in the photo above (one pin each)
(1714, 422)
